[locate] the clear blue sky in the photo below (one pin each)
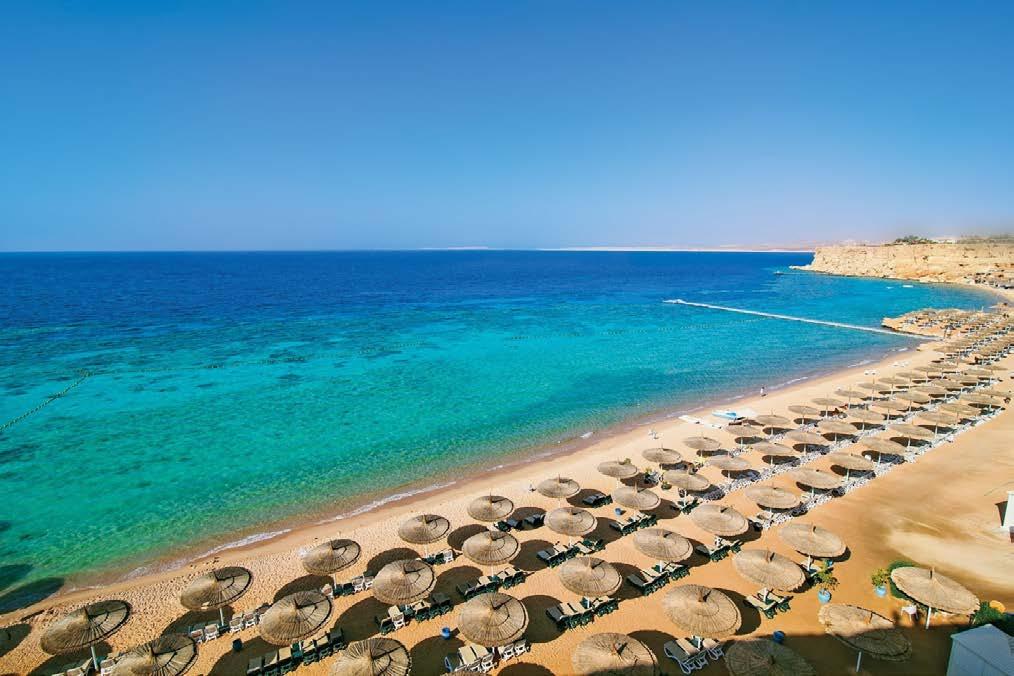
(253, 125)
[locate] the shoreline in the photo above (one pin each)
(288, 536)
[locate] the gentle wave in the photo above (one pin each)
(395, 497)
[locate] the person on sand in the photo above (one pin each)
(762, 392)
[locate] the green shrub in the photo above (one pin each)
(880, 577)
(824, 577)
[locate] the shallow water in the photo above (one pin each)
(227, 390)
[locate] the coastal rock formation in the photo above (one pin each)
(985, 261)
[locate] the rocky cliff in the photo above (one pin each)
(973, 261)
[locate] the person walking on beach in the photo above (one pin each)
(763, 393)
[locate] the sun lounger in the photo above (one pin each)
(765, 607)
(597, 500)
(510, 577)
(535, 520)
(713, 553)
(482, 585)
(589, 546)
(687, 662)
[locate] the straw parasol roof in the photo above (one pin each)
(618, 469)
(294, 617)
(636, 498)
(873, 386)
(882, 446)
(866, 631)
(571, 521)
(423, 529)
(558, 487)
(491, 547)
(702, 443)
(939, 417)
(912, 375)
(589, 576)
(828, 402)
(805, 437)
(769, 569)
(216, 588)
(804, 411)
(949, 384)
(662, 544)
(911, 431)
(850, 461)
(405, 581)
(812, 540)
(771, 497)
(702, 611)
(728, 463)
(85, 626)
(866, 415)
(934, 390)
(330, 557)
(373, 657)
(605, 654)
(493, 619)
(851, 394)
(959, 409)
(994, 392)
(978, 399)
(774, 450)
(814, 478)
(925, 368)
(719, 520)
(776, 421)
(169, 655)
(894, 380)
(761, 657)
(661, 456)
(744, 431)
(937, 591)
(892, 405)
(685, 480)
(915, 397)
(490, 508)
(837, 427)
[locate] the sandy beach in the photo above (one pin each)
(941, 511)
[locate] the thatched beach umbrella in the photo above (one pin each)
(828, 403)
(661, 456)
(837, 428)
(771, 497)
(331, 557)
(910, 432)
(932, 390)
(812, 540)
(963, 410)
(926, 368)
(169, 655)
(719, 520)
(774, 421)
(744, 431)
(849, 462)
(728, 463)
(815, 478)
(865, 631)
(874, 386)
(493, 619)
(949, 384)
(804, 411)
(866, 416)
(892, 405)
(571, 521)
(490, 508)
(935, 591)
(913, 397)
(979, 399)
(914, 376)
(685, 481)
(806, 438)
(294, 617)
(406, 581)
(850, 394)
(702, 611)
(373, 657)
(938, 419)
(216, 589)
(702, 444)
(762, 657)
(883, 447)
(84, 627)
(662, 544)
(424, 529)
(633, 497)
(603, 654)
(618, 469)
(559, 487)
(589, 576)
(773, 450)
(768, 569)
(491, 548)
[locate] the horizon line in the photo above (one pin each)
(577, 249)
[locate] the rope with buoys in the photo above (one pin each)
(53, 397)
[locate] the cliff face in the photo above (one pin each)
(985, 261)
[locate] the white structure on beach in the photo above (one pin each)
(983, 651)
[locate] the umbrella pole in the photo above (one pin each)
(929, 614)
(859, 661)
(221, 616)
(95, 658)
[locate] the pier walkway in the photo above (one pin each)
(772, 315)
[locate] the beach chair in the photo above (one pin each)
(686, 664)
(561, 619)
(271, 666)
(235, 624)
(521, 646)
(486, 663)
(510, 577)
(324, 647)
(285, 663)
(197, 635)
(453, 663)
(502, 526)
(336, 638)
(250, 620)
(384, 624)
(210, 632)
(327, 590)
(106, 667)
(640, 584)
(597, 500)
(255, 666)
(506, 652)
(535, 520)
(766, 608)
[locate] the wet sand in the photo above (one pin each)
(941, 510)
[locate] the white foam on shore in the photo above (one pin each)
(864, 362)
(586, 435)
(394, 497)
(179, 563)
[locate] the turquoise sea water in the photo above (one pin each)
(224, 391)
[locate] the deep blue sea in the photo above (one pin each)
(207, 394)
